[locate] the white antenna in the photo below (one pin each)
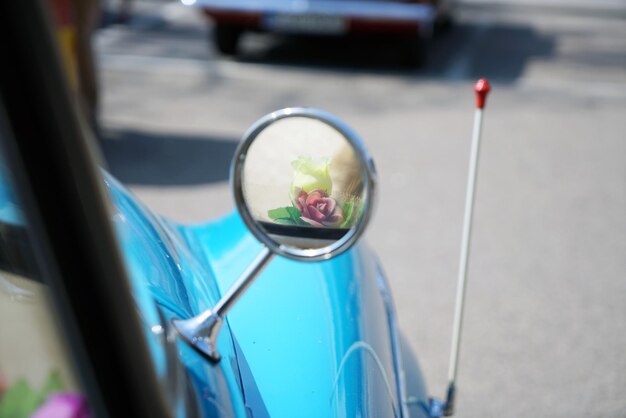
(481, 88)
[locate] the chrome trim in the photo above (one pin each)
(369, 181)
(375, 10)
(385, 293)
(173, 382)
(434, 408)
(201, 332)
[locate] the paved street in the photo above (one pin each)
(545, 332)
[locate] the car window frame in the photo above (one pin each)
(54, 161)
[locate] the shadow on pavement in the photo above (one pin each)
(465, 52)
(161, 159)
(471, 47)
(499, 52)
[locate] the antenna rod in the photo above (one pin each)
(481, 88)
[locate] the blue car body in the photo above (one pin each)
(307, 340)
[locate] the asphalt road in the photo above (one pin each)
(545, 332)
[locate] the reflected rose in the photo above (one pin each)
(318, 209)
(63, 405)
(311, 174)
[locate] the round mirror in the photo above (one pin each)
(303, 183)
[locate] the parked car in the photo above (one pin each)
(111, 310)
(412, 20)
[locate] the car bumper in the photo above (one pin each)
(356, 16)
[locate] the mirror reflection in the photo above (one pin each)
(303, 183)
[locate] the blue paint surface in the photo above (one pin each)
(10, 211)
(165, 274)
(316, 336)
(306, 340)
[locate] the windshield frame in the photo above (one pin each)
(54, 163)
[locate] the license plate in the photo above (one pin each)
(315, 24)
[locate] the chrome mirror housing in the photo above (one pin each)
(304, 186)
(303, 183)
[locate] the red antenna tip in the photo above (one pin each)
(481, 88)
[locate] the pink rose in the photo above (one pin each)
(63, 405)
(318, 209)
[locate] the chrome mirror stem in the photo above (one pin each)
(201, 331)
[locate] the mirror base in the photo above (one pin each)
(201, 336)
(201, 332)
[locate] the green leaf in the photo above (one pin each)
(352, 212)
(348, 212)
(287, 216)
(284, 221)
(278, 213)
(53, 384)
(20, 401)
(360, 211)
(295, 215)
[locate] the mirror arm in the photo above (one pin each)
(243, 282)
(201, 331)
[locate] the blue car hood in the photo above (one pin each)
(307, 338)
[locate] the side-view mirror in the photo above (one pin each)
(304, 186)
